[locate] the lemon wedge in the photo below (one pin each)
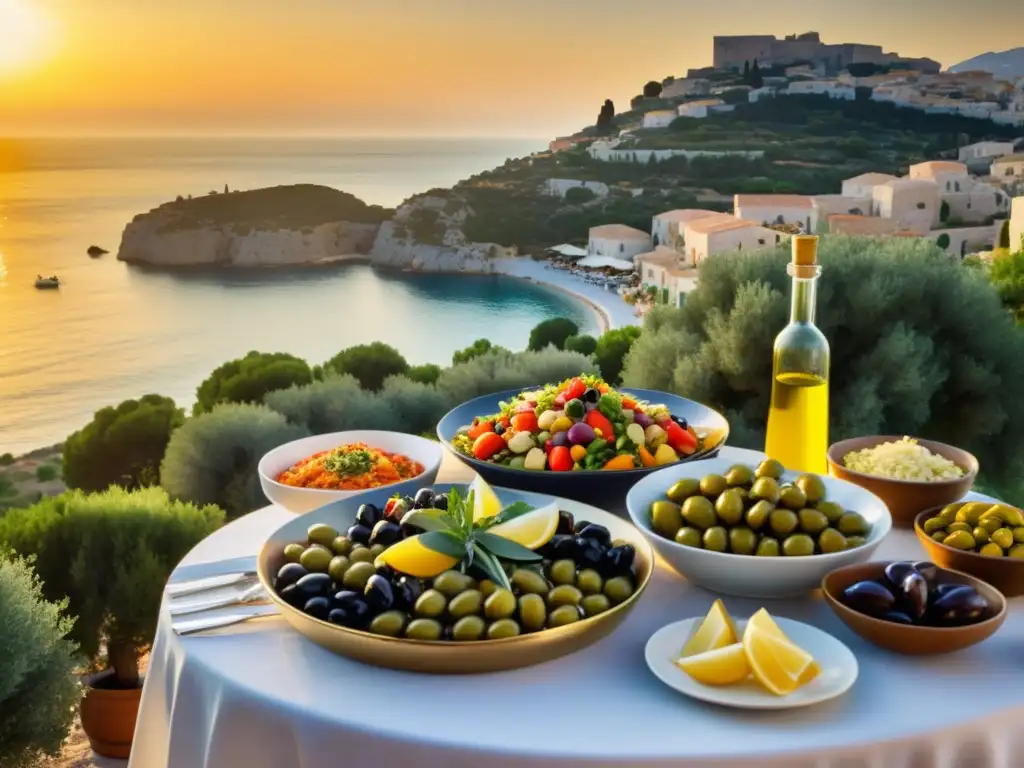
(722, 666)
(762, 621)
(779, 665)
(485, 501)
(717, 630)
(532, 530)
(411, 557)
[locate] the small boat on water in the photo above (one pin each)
(47, 282)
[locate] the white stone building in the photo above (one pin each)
(616, 153)
(664, 270)
(777, 209)
(709, 236)
(829, 205)
(699, 109)
(912, 203)
(830, 88)
(667, 229)
(558, 187)
(950, 176)
(1009, 168)
(659, 118)
(983, 153)
(685, 86)
(767, 92)
(617, 241)
(864, 185)
(1017, 225)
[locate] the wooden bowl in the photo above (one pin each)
(908, 639)
(1004, 573)
(905, 498)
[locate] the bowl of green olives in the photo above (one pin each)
(756, 530)
(325, 573)
(982, 538)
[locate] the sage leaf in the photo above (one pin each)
(445, 543)
(427, 519)
(467, 513)
(505, 548)
(513, 510)
(491, 567)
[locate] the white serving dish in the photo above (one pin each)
(748, 575)
(301, 500)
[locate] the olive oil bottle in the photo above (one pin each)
(798, 414)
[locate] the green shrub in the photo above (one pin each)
(1007, 275)
(38, 689)
(212, 458)
(497, 371)
(942, 241)
(920, 347)
(369, 363)
(585, 345)
(6, 459)
(611, 351)
(1004, 236)
(121, 446)
(579, 195)
(248, 379)
(418, 407)
(46, 472)
(554, 331)
(110, 553)
(424, 374)
(477, 348)
(335, 404)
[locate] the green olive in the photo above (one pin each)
(830, 510)
(618, 589)
(389, 623)
(1003, 537)
(812, 521)
(1018, 534)
(971, 513)
(502, 628)
(450, 583)
(292, 552)
(783, 521)
(739, 474)
(1012, 516)
(341, 545)
(466, 603)
(1016, 551)
(729, 506)
(939, 535)
(562, 572)
(487, 587)
(665, 518)
(769, 468)
(831, 540)
(565, 614)
(689, 537)
(590, 582)
(376, 550)
(528, 581)
(430, 604)
(959, 540)
(357, 575)
(991, 550)
(765, 489)
(933, 524)
(564, 594)
(360, 554)
(798, 545)
(959, 526)
(852, 542)
(321, 534)
(699, 512)
(532, 612)
(792, 497)
(337, 567)
(716, 539)
(500, 605)
(742, 540)
(990, 524)
(595, 604)
(758, 514)
(948, 513)
(468, 628)
(315, 559)
(981, 536)
(812, 486)
(768, 547)
(852, 524)
(424, 629)
(683, 489)
(712, 485)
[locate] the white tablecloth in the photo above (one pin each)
(262, 696)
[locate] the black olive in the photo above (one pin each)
(409, 591)
(929, 570)
(962, 605)
(869, 597)
(590, 395)
(359, 534)
(387, 572)
(896, 572)
(293, 596)
(354, 606)
(941, 589)
(560, 547)
(368, 515)
(498, 428)
(289, 574)
(589, 552)
(385, 533)
(565, 523)
(680, 421)
(317, 607)
(424, 498)
(314, 584)
(579, 525)
(898, 617)
(914, 591)
(408, 529)
(596, 532)
(378, 593)
(441, 501)
(338, 616)
(617, 561)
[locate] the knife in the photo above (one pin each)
(253, 593)
(194, 586)
(192, 626)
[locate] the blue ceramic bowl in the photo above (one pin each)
(606, 490)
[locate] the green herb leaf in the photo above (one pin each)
(491, 567)
(427, 519)
(445, 543)
(514, 510)
(467, 514)
(505, 548)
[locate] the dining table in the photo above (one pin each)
(260, 695)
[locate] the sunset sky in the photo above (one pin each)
(414, 68)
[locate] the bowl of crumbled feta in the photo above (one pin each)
(908, 474)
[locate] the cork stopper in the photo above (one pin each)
(805, 250)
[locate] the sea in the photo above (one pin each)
(113, 332)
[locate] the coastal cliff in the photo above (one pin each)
(277, 226)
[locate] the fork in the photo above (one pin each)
(250, 595)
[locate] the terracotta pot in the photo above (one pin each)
(108, 715)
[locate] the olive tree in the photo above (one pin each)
(554, 332)
(369, 363)
(248, 379)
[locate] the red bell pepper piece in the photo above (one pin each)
(486, 445)
(525, 422)
(598, 420)
(560, 460)
(575, 389)
(680, 439)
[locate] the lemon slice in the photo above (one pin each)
(411, 557)
(716, 631)
(485, 501)
(722, 666)
(776, 663)
(532, 530)
(763, 621)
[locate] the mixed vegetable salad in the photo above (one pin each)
(579, 424)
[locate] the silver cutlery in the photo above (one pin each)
(195, 586)
(252, 594)
(205, 624)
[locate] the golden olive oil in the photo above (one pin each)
(797, 432)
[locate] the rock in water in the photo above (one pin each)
(95, 250)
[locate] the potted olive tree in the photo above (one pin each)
(110, 554)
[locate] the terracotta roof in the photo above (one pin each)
(773, 201)
(619, 232)
(710, 226)
(689, 214)
(906, 181)
(872, 178)
(662, 112)
(660, 256)
(933, 167)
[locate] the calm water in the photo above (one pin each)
(113, 332)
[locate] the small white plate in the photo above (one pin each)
(838, 668)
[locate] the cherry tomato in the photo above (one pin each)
(486, 445)
(575, 389)
(560, 460)
(548, 445)
(597, 420)
(680, 439)
(525, 422)
(560, 400)
(479, 428)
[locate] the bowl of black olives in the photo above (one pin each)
(917, 608)
(361, 578)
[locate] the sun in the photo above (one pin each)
(25, 34)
